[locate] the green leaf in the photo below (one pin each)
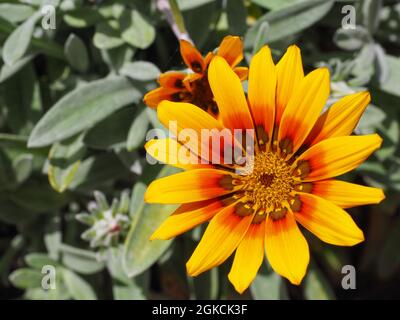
(316, 287)
(18, 42)
(64, 160)
(137, 30)
(77, 286)
(60, 293)
(138, 130)
(237, 15)
(22, 100)
(200, 19)
(116, 57)
(140, 70)
(371, 10)
(130, 292)
(114, 265)
(192, 4)
(137, 199)
(391, 85)
(23, 166)
(38, 260)
(97, 170)
(81, 262)
(82, 17)
(351, 39)
(276, 4)
(381, 64)
(112, 131)
(82, 108)
(267, 285)
(290, 20)
(139, 252)
(76, 53)
(8, 71)
(25, 278)
(107, 35)
(38, 197)
(14, 12)
(371, 119)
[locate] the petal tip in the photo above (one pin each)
(238, 285)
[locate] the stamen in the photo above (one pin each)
(268, 184)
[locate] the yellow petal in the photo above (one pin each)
(248, 257)
(340, 119)
(346, 194)
(220, 239)
(192, 57)
(186, 217)
(289, 74)
(286, 248)
(171, 152)
(261, 91)
(333, 157)
(190, 186)
(154, 97)
(229, 95)
(188, 122)
(327, 221)
(231, 49)
(303, 109)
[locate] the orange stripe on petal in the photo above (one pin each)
(186, 217)
(333, 157)
(304, 108)
(229, 95)
(340, 119)
(248, 258)
(154, 97)
(261, 91)
(192, 57)
(241, 72)
(328, 222)
(289, 74)
(172, 79)
(286, 248)
(346, 194)
(220, 239)
(231, 49)
(190, 186)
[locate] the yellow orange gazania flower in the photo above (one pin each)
(298, 153)
(193, 87)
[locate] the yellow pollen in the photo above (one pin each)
(268, 182)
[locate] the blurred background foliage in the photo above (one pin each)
(72, 128)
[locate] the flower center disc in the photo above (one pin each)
(269, 182)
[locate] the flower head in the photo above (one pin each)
(193, 87)
(287, 181)
(106, 222)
